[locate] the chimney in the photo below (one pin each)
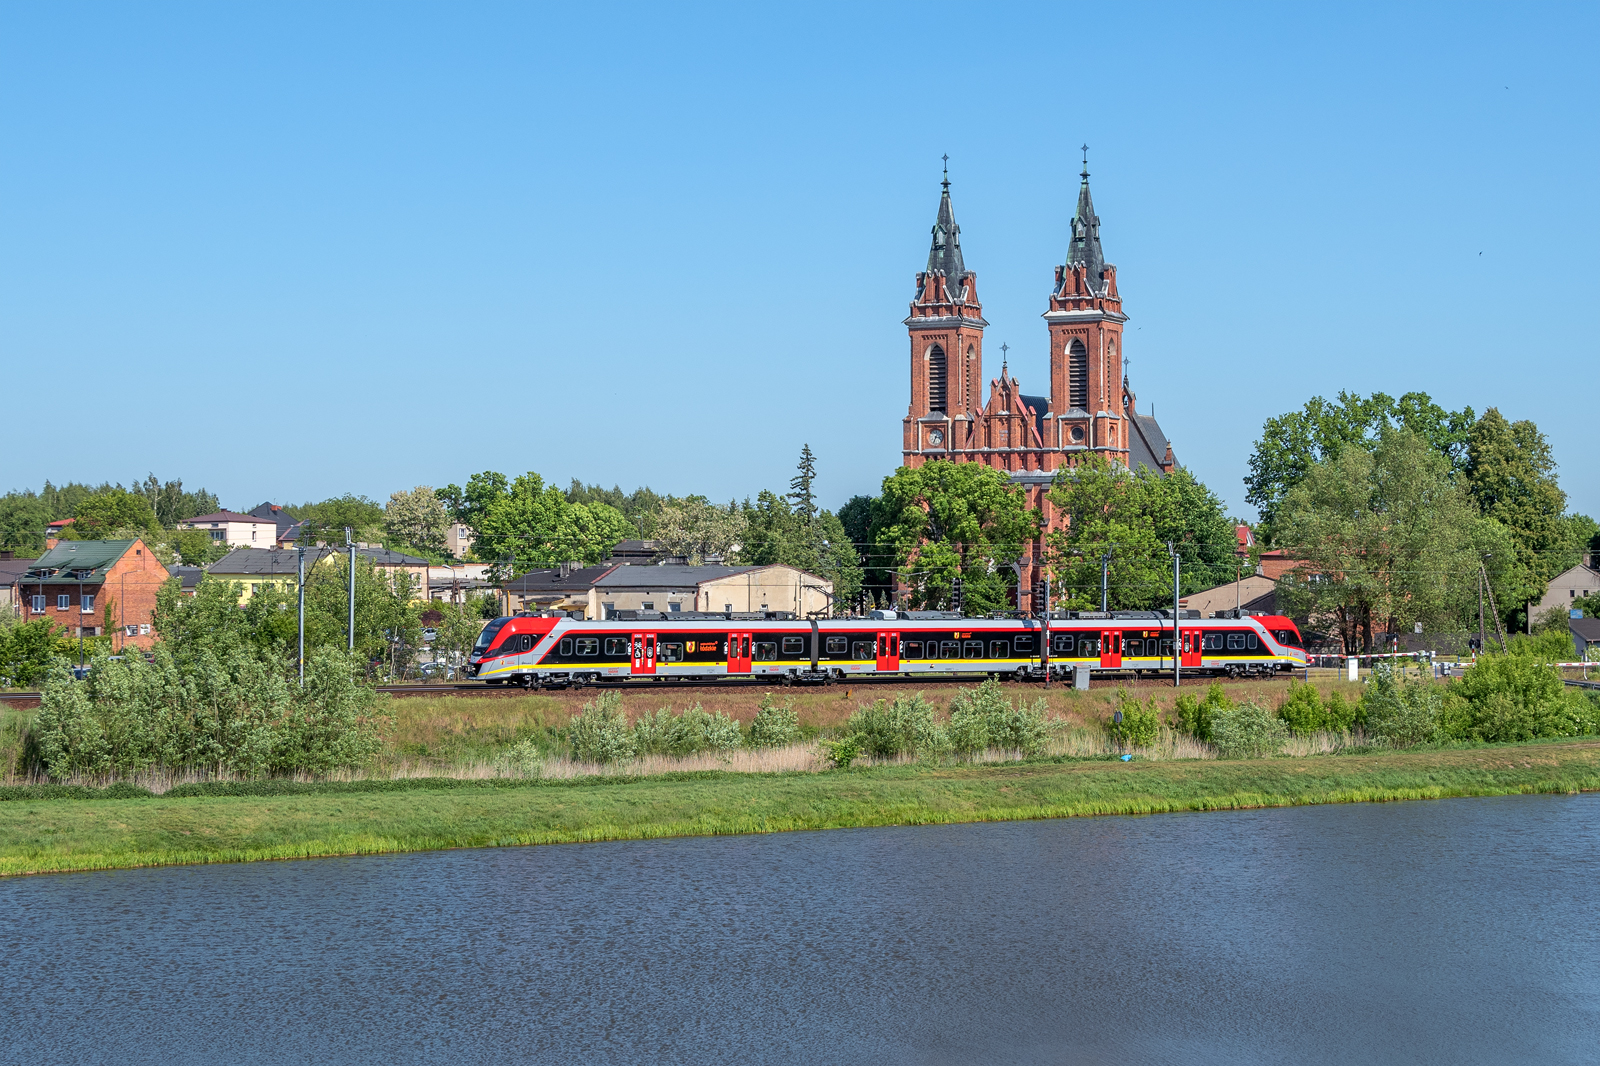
(50, 539)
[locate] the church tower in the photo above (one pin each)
(1087, 403)
(946, 328)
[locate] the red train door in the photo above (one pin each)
(739, 653)
(889, 651)
(644, 653)
(1191, 647)
(1111, 647)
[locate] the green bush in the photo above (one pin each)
(841, 753)
(522, 759)
(26, 651)
(1402, 711)
(239, 713)
(1302, 710)
(904, 727)
(1195, 715)
(1516, 697)
(689, 733)
(1140, 725)
(1340, 714)
(983, 718)
(1246, 732)
(774, 726)
(599, 732)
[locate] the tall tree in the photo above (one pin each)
(171, 504)
(946, 520)
(699, 529)
(1132, 517)
(529, 524)
(800, 486)
(1387, 538)
(1510, 472)
(327, 521)
(1292, 443)
(641, 507)
(417, 520)
(114, 514)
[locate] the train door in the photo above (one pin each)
(739, 653)
(889, 651)
(1111, 648)
(644, 653)
(1191, 647)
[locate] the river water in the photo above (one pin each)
(1462, 931)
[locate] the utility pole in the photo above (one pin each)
(1177, 633)
(1044, 651)
(301, 656)
(1105, 578)
(348, 543)
(1480, 608)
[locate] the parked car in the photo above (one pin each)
(429, 635)
(437, 672)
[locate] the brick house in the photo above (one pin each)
(98, 586)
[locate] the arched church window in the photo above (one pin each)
(937, 379)
(1078, 375)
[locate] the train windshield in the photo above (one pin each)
(490, 631)
(1287, 636)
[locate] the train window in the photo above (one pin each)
(588, 645)
(1213, 642)
(1088, 646)
(1250, 639)
(1061, 643)
(669, 653)
(999, 649)
(1287, 636)
(838, 646)
(566, 646)
(973, 649)
(911, 649)
(616, 647)
(744, 647)
(1023, 645)
(1236, 642)
(949, 649)
(794, 645)
(863, 650)
(1135, 647)
(766, 651)
(1166, 648)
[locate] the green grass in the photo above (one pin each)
(41, 835)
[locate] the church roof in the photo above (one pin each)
(1085, 248)
(1147, 445)
(945, 255)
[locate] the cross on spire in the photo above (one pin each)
(946, 182)
(1004, 348)
(1085, 174)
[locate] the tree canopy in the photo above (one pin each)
(526, 524)
(417, 520)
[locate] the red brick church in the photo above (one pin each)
(1091, 404)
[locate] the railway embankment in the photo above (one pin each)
(52, 829)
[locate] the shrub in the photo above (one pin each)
(1340, 714)
(26, 650)
(904, 727)
(1246, 732)
(1302, 710)
(1140, 725)
(1195, 715)
(522, 759)
(774, 726)
(983, 718)
(1516, 697)
(693, 731)
(238, 713)
(841, 753)
(1403, 712)
(600, 733)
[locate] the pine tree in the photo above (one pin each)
(805, 501)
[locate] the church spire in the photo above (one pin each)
(945, 255)
(1085, 248)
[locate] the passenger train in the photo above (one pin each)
(557, 651)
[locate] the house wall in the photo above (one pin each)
(1579, 581)
(263, 534)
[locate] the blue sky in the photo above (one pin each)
(287, 251)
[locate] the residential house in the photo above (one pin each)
(1585, 636)
(672, 587)
(458, 539)
(288, 527)
(52, 532)
(11, 571)
(1256, 594)
(454, 583)
(1581, 580)
(564, 588)
(188, 577)
(262, 569)
(235, 530)
(96, 586)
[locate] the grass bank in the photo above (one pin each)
(39, 835)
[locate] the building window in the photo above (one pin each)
(607, 610)
(1078, 375)
(144, 630)
(674, 605)
(647, 605)
(63, 601)
(131, 631)
(87, 602)
(938, 379)
(38, 605)
(218, 534)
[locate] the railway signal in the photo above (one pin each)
(958, 596)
